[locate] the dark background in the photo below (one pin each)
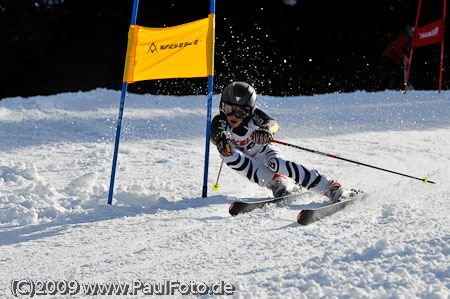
(53, 46)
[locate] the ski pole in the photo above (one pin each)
(216, 186)
(425, 180)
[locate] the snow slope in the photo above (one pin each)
(55, 164)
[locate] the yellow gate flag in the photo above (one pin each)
(183, 51)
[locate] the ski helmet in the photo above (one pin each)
(239, 94)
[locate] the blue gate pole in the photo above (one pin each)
(208, 117)
(208, 134)
(119, 120)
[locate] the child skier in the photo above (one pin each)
(242, 134)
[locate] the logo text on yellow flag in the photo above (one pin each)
(183, 51)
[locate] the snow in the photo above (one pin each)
(55, 164)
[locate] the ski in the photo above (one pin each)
(240, 207)
(309, 216)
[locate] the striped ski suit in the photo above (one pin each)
(259, 163)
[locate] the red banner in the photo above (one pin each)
(429, 34)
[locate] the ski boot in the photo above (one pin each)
(336, 193)
(279, 186)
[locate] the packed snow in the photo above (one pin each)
(56, 226)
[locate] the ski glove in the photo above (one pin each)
(262, 135)
(224, 144)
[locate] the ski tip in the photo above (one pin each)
(230, 209)
(299, 216)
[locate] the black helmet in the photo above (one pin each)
(239, 94)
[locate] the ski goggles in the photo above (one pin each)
(237, 111)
